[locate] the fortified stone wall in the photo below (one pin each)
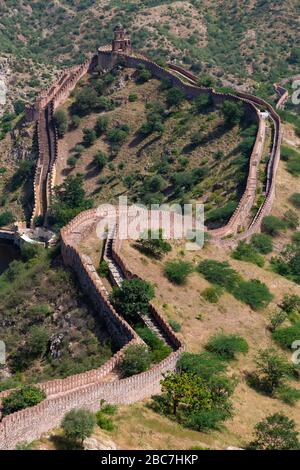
(87, 389)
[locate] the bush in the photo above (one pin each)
(101, 125)
(254, 293)
(175, 96)
(212, 294)
(152, 244)
(89, 137)
(132, 97)
(109, 409)
(232, 112)
(272, 369)
(291, 303)
(204, 364)
(227, 346)
(262, 243)
(103, 269)
(6, 218)
(271, 225)
(136, 360)
(175, 325)
(221, 214)
(25, 397)
(177, 271)
(204, 420)
(291, 219)
(104, 422)
(277, 319)
(246, 252)
(219, 273)
(276, 432)
(288, 395)
(287, 335)
(159, 350)
(295, 200)
(132, 298)
(78, 424)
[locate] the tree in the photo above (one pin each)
(202, 102)
(19, 107)
(6, 218)
(152, 244)
(78, 424)
(136, 359)
(177, 271)
(207, 81)
(101, 125)
(295, 55)
(25, 397)
(132, 298)
(175, 96)
(276, 432)
(143, 74)
(227, 346)
(233, 112)
(291, 303)
(85, 101)
(61, 122)
(185, 389)
(89, 137)
(37, 342)
(254, 293)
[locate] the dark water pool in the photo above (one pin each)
(8, 252)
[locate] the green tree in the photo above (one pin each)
(295, 200)
(37, 341)
(61, 122)
(175, 96)
(262, 243)
(185, 389)
(272, 369)
(25, 397)
(101, 125)
(78, 425)
(132, 298)
(136, 359)
(276, 432)
(177, 271)
(232, 112)
(100, 160)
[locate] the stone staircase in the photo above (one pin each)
(118, 277)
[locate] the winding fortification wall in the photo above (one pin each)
(87, 389)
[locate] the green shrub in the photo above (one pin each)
(212, 294)
(221, 214)
(101, 125)
(254, 293)
(61, 122)
(277, 319)
(78, 424)
(175, 325)
(204, 364)
(233, 112)
(103, 269)
(89, 137)
(104, 422)
(287, 335)
(276, 432)
(291, 219)
(132, 97)
(290, 303)
(152, 244)
(272, 225)
(177, 271)
(159, 350)
(219, 273)
(204, 420)
(262, 242)
(6, 218)
(132, 298)
(246, 252)
(136, 359)
(296, 238)
(25, 397)
(227, 346)
(288, 395)
(295, 200)
(109, 409)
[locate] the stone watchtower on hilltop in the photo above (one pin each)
(120, 43)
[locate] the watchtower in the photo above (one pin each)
(120, 43)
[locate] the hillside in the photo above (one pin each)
(241, 43)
